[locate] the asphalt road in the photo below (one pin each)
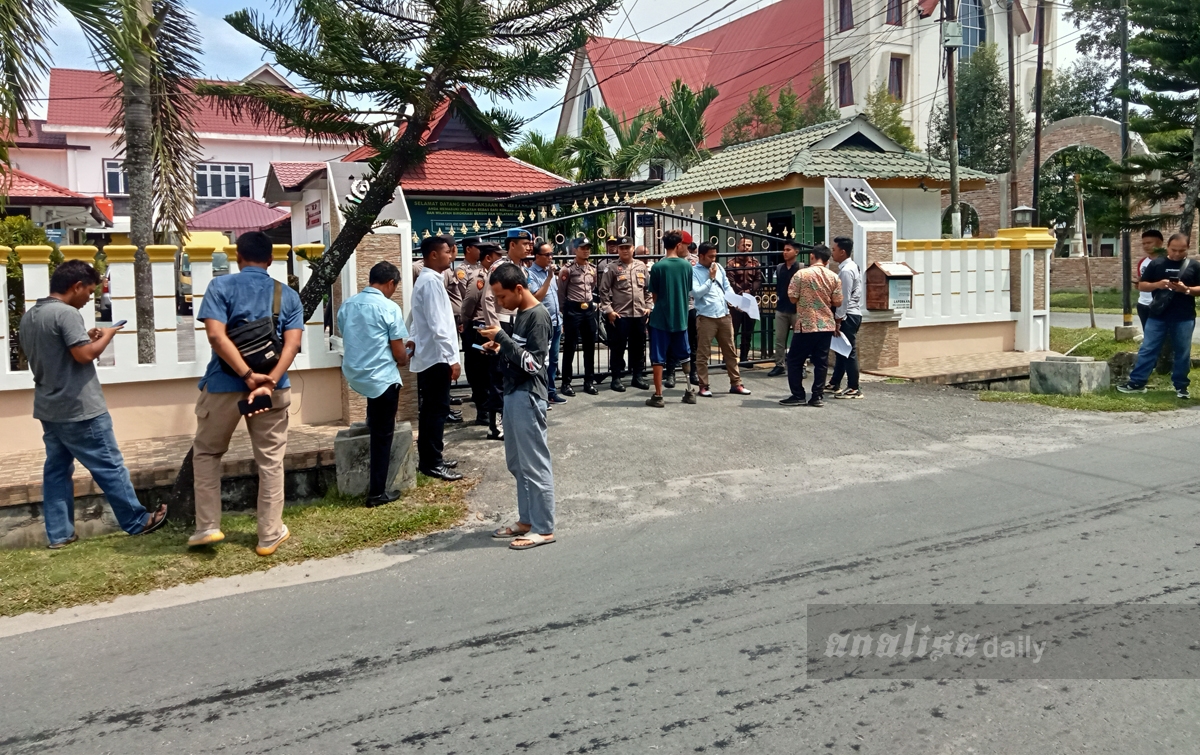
(670, 616)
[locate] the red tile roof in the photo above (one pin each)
(780, 43)
(450, 171)
(19, 186)
(292, 174)
(240, 215)
(83, 98)
(925, 8)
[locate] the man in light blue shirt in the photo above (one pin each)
(373, 350)
(709, 287)
(543, 284)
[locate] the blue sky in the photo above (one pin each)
(229, 55)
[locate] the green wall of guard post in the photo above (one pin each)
(767, 207)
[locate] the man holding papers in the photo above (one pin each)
(849, 318)
(711, 292)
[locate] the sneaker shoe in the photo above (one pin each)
(689, 397)
(205, 537)
(739, 389)
(816, 402)
(555, 399)
(59, 546)
(705, 392)
(849, 393)
(1131, 388)
(831, 388)
(776, 371)
(656, 402)
(793, 401)
(1182, 393)
(269, 549)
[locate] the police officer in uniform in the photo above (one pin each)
(624, 303)
(576, 286)
(475, 362)
(518, 244)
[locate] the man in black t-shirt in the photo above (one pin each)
(1175, 282)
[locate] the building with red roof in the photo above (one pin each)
(52, 206)
(73, 147)
(854, 46)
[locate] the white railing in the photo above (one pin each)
(182, 349)
(957, 281)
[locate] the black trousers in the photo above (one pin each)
(848, 366)
(627, 334)
(381, 421)
(475, 364)
(579, 331)
(743, 325)
(814, 346)
(433, 393)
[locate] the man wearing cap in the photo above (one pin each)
(624, 303)
(576, 286)
(476, 363)
(543, 282)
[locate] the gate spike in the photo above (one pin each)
(575, 206)
(488, 224)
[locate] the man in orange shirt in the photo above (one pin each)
(816, 291)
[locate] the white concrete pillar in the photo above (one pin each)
(85, 254)
(200, 260)
(162, 272)
(124, 306)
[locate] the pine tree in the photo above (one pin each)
(1084, 88)
(886, 113)
(817, 106)
(982, 116)
(379, 70)
(1167, 51)
(753, 120)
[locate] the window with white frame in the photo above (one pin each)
(222, 180)
(116, 184)
(974, 27)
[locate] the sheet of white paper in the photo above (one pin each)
(841, 345)
(733, 300)
(750, 306)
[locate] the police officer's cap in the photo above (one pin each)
(486, 248)
(474, 241)
(622, 241)
(579, 243)
(519, 233)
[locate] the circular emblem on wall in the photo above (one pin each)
(862, 201)
(358, 189)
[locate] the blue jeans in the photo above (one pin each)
(1157, 331)
(552, 359)
(93, 443)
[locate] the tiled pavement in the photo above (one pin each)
(966, 368)
(155, 462)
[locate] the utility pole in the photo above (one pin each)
(1126, 251)
(1037, 113)
(951, 40)
(1012, 119)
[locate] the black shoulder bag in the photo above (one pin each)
(258, 341)
(1163, 299)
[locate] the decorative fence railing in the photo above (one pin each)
(179, 283)
(957, 281)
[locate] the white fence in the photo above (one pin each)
(957, 281)
(182, 350)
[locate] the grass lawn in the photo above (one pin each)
(1107, 301)
(101, 568)
(1160, 397)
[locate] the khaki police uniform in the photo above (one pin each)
(623, 291)
(475, 362)
(576, 289)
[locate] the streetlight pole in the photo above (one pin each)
(951, 39)
(1012, 118)
(1037, 112)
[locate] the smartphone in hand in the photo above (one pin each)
(257, 405)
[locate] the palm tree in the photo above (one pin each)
(635, 139)
(680, 125)
(553, 155)
(593, 153)
(150, 48)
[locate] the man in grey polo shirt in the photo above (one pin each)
(849, 320)
(68, 401)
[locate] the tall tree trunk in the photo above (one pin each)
(139, 170)
(1193, 187)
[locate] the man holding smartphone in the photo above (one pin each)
(69, 402)
(373, 350)
(230, 301)
(1174, 281)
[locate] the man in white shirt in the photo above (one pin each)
(849, 320)
(435, 355)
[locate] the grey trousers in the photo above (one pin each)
(528, 455)
(785, 323)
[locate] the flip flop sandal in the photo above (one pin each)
(153, 525)
(508, 533)
(534, 541)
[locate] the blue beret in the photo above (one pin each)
(519, 233)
